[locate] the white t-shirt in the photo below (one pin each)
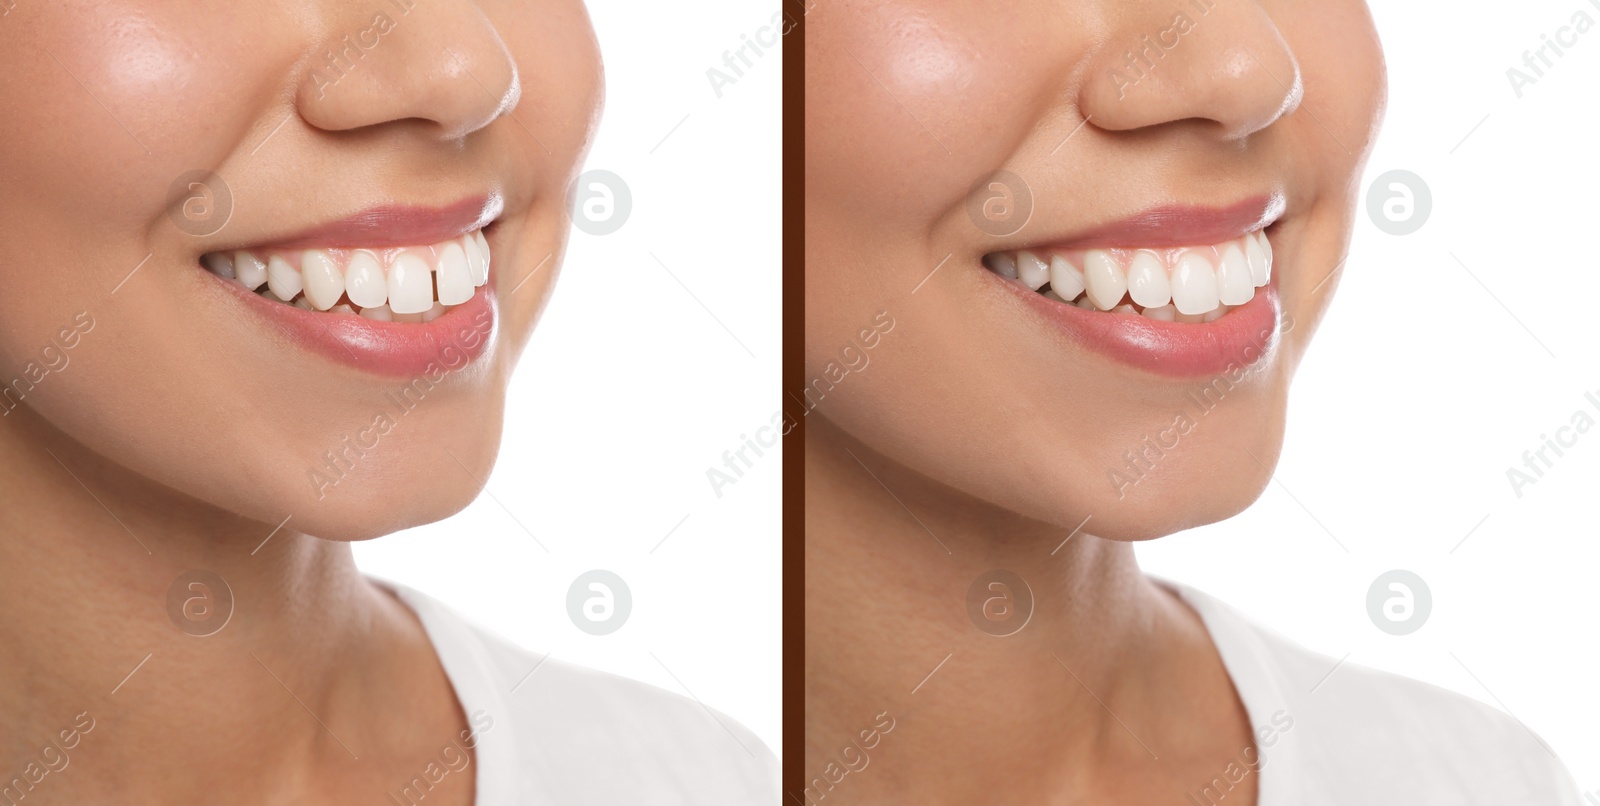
(1361, 736)
(548, 732)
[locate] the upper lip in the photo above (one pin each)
(1175, 225)
(392, 225)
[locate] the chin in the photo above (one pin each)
(420, 472)
(342, 484)
(1200, 466)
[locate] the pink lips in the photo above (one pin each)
(396, 225)
(1177, 225)
(395, 349)
(1240, 338)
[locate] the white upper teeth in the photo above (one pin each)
(455, 281)
(1032, 271)
(1194, 284)
(413, 283)
(410, 285)
(1147, 281)
(1065, 279)
(1184, 284)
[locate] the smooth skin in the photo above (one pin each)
(974, 439)
(176, 434)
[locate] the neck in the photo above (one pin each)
(91, 552)
(891, 560)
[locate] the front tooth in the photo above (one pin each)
(1215, 313)
(364, 281)
(410, 285)
(283, 279)
(1084, 303)
(1164, 313)
(249, 270)
(435, 312)
(219, 264)
(1147, 281)
(1002, 263)
(1065, 279)
(379, 313)
(1257, 259)
(1032, 271)
(323, 280)
(477, 261)
(1103, 279)
(455, 278)
(1194, 284)
(1235, 286)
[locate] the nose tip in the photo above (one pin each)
(458, 76)
(441, 63)
(1229, 66)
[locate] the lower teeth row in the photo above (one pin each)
(1164, 313)
(379, 313)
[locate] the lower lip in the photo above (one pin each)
(1244, 336)
(457, 338)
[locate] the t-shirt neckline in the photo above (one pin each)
(466, 663)
(1246, 660)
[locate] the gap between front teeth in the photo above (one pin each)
(406, 284)
(1183, 284)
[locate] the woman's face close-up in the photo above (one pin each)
(1105, 232)
(281, 257)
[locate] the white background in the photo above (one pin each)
(1422, 389)
(631, 390)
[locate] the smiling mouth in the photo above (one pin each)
(1189, 284)
(411, 284)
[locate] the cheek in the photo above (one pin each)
(112, 102)
(558, 62)
(1346, 81)
(907, 107)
